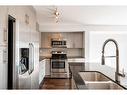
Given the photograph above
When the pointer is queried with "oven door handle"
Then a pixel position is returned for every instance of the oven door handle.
(58, 60)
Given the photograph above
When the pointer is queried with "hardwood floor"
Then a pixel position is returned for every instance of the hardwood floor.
(56, 84)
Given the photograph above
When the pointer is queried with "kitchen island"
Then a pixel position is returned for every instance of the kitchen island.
(78, 82)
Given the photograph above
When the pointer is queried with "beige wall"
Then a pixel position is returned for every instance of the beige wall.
(45, 52)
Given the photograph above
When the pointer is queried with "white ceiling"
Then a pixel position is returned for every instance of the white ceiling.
(74, 18)
(83, 15)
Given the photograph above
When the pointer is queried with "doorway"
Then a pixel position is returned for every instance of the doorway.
(11, 29)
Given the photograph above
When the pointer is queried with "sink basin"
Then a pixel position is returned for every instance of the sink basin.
(93, 76)
(102, 85)
(97, 80)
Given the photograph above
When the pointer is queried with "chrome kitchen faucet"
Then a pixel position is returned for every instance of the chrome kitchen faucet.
(117, 73)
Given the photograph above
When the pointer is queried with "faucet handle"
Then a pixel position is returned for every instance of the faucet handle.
(102, 59)
(123, 73)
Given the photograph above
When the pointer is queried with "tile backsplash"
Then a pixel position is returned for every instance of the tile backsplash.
(45, 52)
(70, 52)
(74, 52)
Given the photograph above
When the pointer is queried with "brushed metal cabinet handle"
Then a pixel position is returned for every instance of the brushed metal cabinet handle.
(5, 35)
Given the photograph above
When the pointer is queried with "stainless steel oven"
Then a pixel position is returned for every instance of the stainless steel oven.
(59, 65)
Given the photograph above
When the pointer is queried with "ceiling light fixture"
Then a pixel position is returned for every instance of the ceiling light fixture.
(56, 13)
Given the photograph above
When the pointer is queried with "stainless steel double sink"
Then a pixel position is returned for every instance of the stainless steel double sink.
(97, 80)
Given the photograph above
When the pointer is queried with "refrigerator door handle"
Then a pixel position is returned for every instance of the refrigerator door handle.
(31, 58)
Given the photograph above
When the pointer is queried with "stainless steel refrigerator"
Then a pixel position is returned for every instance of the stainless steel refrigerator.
(28, 76)
(27, 58)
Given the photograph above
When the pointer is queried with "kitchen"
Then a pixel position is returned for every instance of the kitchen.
(53, 49)
(61, 47)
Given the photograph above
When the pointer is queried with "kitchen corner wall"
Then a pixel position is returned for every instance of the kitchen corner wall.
(75, 43)
(97, 34)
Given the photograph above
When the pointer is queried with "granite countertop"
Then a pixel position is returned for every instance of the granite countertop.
(48, 57)
(44, 57)
(75, 68)
(75, 57)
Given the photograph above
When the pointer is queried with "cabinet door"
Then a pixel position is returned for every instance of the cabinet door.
(1, 36)
(46, 40)
(3, 67)
(24, 32)
(41, 71)
(43, 40)
(3, 25)
(47, 67)
(34, 36)
(73, 85)
(74, 39)
(78, 40)
(70, 37)
(40, 40)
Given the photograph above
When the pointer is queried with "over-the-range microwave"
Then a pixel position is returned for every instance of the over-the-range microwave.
(56, 43)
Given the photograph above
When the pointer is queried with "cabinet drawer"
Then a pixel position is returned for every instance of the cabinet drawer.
(76, 59)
